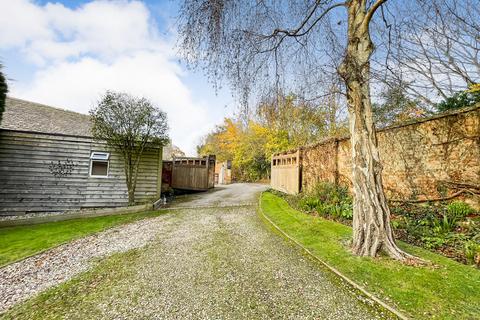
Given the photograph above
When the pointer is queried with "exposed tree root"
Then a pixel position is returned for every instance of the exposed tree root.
(392, 251)
(397, 254)
(456, 194)
(408, 259)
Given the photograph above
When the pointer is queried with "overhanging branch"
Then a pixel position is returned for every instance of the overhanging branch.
(371, 11)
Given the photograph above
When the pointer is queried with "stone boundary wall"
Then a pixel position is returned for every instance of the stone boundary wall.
(427, 159)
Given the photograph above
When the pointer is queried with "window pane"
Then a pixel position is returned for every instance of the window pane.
(99, 156)
(99, 168)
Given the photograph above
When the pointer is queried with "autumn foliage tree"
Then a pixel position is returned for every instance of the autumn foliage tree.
(256, 43)
(280, 123)
(129, 125)
(249, 147)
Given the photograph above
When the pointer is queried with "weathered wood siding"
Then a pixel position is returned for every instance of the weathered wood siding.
(28, 184)
(193, 173)
(286, 172)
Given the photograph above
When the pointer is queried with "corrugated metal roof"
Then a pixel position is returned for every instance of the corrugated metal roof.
(25, 115)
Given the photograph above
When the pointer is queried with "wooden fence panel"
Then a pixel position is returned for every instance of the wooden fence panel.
(193, 173)
(286, 172)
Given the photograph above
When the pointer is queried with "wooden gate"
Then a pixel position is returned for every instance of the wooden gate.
(193, 173)
(286, 172)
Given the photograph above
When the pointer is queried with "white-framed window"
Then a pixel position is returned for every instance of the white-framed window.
(99, 164)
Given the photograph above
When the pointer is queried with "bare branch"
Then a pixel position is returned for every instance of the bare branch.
(368, 17)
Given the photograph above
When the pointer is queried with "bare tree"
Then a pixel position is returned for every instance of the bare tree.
(436, 51)
(256, 44)
(129, 125)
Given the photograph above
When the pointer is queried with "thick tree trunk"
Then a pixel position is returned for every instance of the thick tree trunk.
(128, 179)
(372, 232)
(132, 163)
(131, 197)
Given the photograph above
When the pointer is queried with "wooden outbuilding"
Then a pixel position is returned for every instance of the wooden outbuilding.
(223, 172)
(49, 162)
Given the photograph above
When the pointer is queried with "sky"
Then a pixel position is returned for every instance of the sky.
(67, 53)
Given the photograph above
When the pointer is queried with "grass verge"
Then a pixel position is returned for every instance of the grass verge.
(19, 242)
(447, 291)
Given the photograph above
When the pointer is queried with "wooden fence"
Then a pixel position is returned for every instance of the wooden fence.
(286, 172)
(193, 173)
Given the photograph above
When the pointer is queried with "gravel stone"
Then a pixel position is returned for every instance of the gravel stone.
(23, 279)
(196, 263)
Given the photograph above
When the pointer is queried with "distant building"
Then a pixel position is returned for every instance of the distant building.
(50, 162)
(171, 151)
(223, 172)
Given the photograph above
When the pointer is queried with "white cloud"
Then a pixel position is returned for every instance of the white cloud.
(79, 53)
(21, 22)
(101, 28)
(78, 85)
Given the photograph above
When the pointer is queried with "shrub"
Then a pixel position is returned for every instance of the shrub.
(472, 252)
(309, 203)
(442, 227)
(325, 209)
(328, 199)
(460, 99)
(433, 242)
(330, 193)
(439, 227)
(444, 224)
(450, 216)
(347, 211)
(459, 209)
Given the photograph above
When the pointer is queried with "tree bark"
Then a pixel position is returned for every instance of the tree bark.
(128, 178)
(132, 163)
(372, 232)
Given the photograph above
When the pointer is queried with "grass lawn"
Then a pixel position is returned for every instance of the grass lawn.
(22, 241)
(449, 290)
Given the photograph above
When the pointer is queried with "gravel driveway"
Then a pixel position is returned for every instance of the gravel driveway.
(237, 194)
(196, 263)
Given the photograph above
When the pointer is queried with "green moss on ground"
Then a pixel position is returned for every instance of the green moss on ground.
(80, 295)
